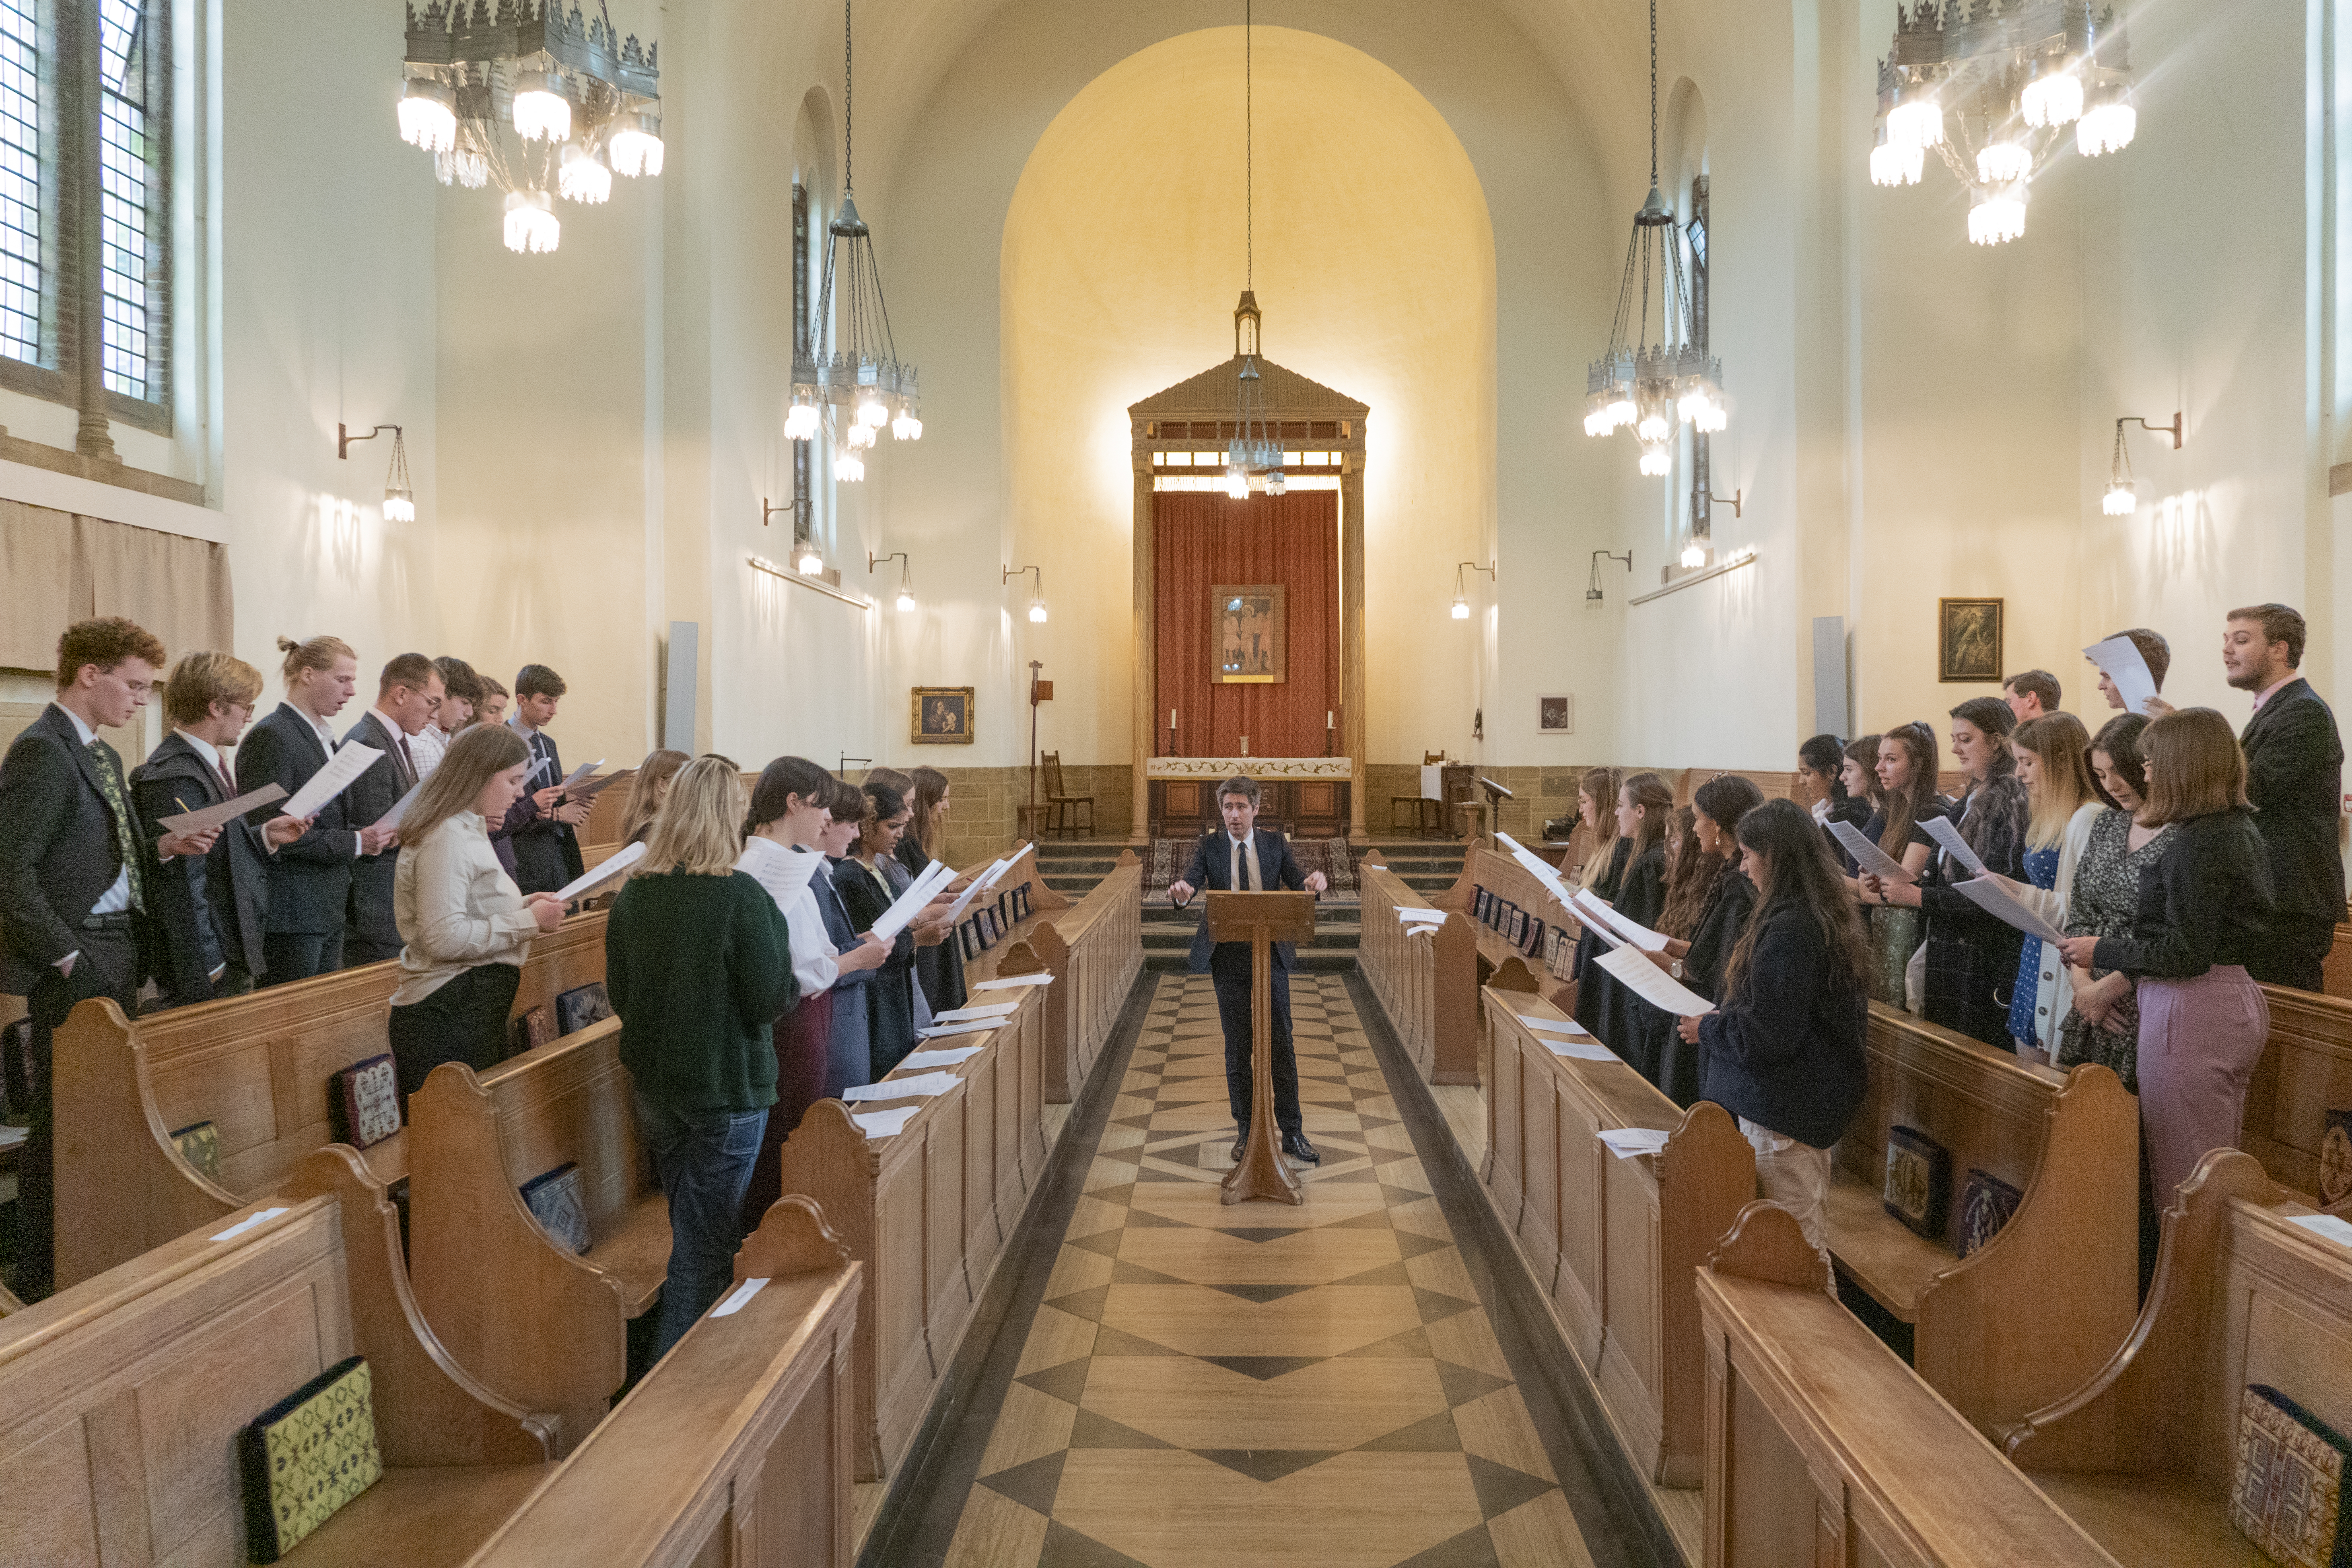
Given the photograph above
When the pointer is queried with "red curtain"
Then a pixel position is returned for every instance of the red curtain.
(1202, 539)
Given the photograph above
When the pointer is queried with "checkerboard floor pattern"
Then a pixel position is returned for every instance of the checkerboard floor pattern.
(1206, 1385)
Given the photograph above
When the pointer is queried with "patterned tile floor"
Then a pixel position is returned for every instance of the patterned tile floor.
(1205, 1385)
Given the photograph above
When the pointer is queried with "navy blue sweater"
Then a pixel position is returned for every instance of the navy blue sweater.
(1785, 1047)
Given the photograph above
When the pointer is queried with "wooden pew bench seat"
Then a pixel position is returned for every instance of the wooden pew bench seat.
(1892, 1263)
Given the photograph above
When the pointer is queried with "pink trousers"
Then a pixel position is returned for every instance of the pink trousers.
(2199, 1041)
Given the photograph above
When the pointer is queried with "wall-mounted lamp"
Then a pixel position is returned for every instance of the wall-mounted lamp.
(1461, 593)
(399, 496)
(1592, 594)
(1038, 599)
(905, 568)
(2121, 500)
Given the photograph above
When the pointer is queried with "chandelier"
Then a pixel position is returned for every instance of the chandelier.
(862, 384)
(1652, 386)
(1256, 446)
(582, 106)
(1992, 86)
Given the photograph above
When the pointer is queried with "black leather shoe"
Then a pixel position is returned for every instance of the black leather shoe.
(1241, 1145)
(1295, 1145)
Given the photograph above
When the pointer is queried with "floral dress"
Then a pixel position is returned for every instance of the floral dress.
(2041, 870)
(2106, 893)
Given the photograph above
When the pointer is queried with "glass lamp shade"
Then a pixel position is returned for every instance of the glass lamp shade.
(531, 224)
(1236, 484)
(1702, 404)
(1275, 484)
(859, 436)
(2105, 127)
(1460, 608)
(811, 562)
(848, 467)
(1694, 555)
(635, 148)
(1997, 214)
(2054, 96)
(1892, 165)
(2120, 501)
(871, 412)
(2004, 163)
(1658, 460)
(542, 109)
(802, 421)
(399, 506)
(1916, 122)
(906, 600)
(1037, 612)
(906, 426)
(1598, 419)
(465, 166)
(1653, 427)
(584, 177)
(428, 115)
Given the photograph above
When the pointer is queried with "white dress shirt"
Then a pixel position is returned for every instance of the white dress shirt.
(1245, 852)
(428, 747)
(455, 908)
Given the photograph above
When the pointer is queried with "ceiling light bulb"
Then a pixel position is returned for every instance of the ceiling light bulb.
(848, 467)
(1893, 164)
(584, 177)
(1694, 555)
(1622, 412)
(1460, 608)
(1037, 612)
(2106, 128)
(1236, 484)
(2054, 96)
(530, 222)
(1702, 405)
(1653, 427)
(906, 599)
(1656, 460)
(543, 111)
(906, 426)
(870, 412)
(2120, 501)
(810, 562)
(1916, 123)
(636, 149)
(399, 506)
(2004, 163)
(466, 166)
(1275, 484)
(1998, 215)
(801, 421)
(428, 115)
(859, 436)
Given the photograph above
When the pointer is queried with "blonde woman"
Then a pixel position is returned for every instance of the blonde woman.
(698, 961)
(464, 927)
(2053, 762)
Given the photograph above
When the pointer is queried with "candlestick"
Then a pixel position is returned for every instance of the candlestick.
(1327, 718)
(1171, 718)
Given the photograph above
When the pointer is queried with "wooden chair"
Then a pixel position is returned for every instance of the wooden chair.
(1065, 806)
(1428, 816)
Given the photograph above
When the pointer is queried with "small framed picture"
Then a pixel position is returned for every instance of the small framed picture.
(1968, 641)
(1556, 715)
(942, 716)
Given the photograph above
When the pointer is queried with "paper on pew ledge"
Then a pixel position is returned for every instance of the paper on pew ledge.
(1627, 1142)
(248, 1223)
(884, 1123)
(1553, 1026)
(1587, 1049)
(963, 1027)
(2325, 1225)
(738, 1298)
(1010, 981)
(947, 1057)
(922, 1086)
(977, 1010)
(1408, 913)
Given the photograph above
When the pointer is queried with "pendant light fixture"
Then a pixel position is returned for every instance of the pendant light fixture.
(1653, 385)
(862, 385)
(1255, 448)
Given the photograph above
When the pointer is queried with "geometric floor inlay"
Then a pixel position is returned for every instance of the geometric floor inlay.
(1205, 1385)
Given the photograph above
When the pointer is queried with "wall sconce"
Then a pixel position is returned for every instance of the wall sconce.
(1038, 599)
(905, 568)
(1461, 594)
(2121, 500)
(399, 495)
(1592, 594)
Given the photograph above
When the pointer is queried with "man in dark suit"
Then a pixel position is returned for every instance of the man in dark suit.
(2294, 777)
(72, 885)
(310, 883)
(205, 914)
(408, 693)
(1245, 857)
(539, 828)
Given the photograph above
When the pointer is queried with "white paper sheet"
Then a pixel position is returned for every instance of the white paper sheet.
(782, 872)
(922, 1086)
(215, 816)
(2119, 660)
(978, 1010)
(976, 887)
(884, 1123)
(622, 859)
(1543, 870)
(2325, 1225)
(581, 771)
(1869, 857)
(330, 781)
(1587, 1049)
(399, 809)
(1010, 981)
(910, 903)
(968, 1027)
(1616, 927)
(588, 789)
(248, 1223)
(1941, 829)
(1997, 901)
(738, 1298)
(1411, 914)
(1627, 1142)
(1654, 985)
(1554, 1026)
(945, 1057)
(1432, 781)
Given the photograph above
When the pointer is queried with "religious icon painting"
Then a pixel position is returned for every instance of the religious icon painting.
(942, 716)
(1967, 640)
(1556, 715)
(1249, 635)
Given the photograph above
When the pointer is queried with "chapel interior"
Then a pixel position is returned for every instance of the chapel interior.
(1408, 407)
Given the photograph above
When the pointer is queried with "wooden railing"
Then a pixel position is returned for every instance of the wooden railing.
(1426, 980)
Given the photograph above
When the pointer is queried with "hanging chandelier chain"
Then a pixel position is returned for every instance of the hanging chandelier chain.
(1249, 150)
(1653, 94)
(849, 100)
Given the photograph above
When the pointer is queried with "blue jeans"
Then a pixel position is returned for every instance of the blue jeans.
(704, 1160)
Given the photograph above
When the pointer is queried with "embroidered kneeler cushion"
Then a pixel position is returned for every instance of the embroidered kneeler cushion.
(2286, 1492)
(307, 1456)
(2336, 1159)
(1985, 1205)
(199, 1144)
(553, 1199)
(1918, 1179)
(363, 1102)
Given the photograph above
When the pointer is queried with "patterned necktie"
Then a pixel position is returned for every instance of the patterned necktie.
(109, 785)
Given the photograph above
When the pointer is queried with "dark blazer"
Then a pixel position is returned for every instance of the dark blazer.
(2206, 900)
(546, 852)
(365, 799)
(2294, 777)
(201, 913)
(58, 851)
(1212, 871)
(310, 878)
(1785, 1048)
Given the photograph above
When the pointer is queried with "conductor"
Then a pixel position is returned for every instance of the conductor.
(1247, 859)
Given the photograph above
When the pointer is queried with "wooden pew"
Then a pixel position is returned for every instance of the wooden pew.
(1611, 1242)
(120, 1397)
(1094, 951)
(1426, 983)
(256, 1067)
(2141, 1455)
(737, 1447)
(929, 1211)
(535, 1321)
(2304, 1071)
(1501, 875)
(1822, 1448)
(2039, 1309)
(1044, 902)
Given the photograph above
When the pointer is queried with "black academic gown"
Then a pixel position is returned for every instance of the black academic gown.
(1636, 1030)
(890, 996)
(938, 970)
(203, 912)
(1724, 916)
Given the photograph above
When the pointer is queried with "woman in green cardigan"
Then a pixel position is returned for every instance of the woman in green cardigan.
(698, 966)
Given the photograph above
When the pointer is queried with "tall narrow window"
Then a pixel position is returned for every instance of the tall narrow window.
(20, 181)
(126, 214)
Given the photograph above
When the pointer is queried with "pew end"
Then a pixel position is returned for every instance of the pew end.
(1767, 1244)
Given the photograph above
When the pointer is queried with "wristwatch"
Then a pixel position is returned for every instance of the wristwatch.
(1677, 970)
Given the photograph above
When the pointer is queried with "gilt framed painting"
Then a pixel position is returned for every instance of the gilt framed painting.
(1968, 641)
(1249, 634)
(942, 716)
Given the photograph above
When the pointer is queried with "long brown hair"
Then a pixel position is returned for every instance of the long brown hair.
(2063, 782)
(1656, 797)
(1601, 784)
(1798, 870)
(931, 788)
(1902, 806)
(1691, 874)
(2194, 767)
(477, 755)
(645, 792)
(1864, 749)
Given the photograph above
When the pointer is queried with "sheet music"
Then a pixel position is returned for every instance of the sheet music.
(2120, 661)
(588, 789)
(1540, 868)
(884, 1123)
(581, 771)
(330, 781)
(977, 886)
(2325, 1225)
(968, 1027)
(1010, 981)
(399, 809)
(1587, 1049)
(1409, 913)
(621, 861)
(1868, 856)
(1627, 1142)
(1941, 830)
(910, 903)
(922, 1086)
(979, 1010)
(738, 1298)
(1623, 929)
(782, 872)
(1653, 985)
(946, 1057)
(226, 811)
(1997, 901)
(1553, 1026)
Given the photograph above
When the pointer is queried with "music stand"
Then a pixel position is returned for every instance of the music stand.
(1261, 920)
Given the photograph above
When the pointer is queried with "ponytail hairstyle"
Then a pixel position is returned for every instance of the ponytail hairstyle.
(1656, 797)
(645, 792)
(1799, 872)
(780, 779)
(319, 653)
(931, 788)
(1903, 806)
(2064, 782)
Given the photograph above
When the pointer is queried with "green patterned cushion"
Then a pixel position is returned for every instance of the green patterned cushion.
(305, 1456)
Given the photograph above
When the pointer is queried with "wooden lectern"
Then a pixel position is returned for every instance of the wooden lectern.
(1262, 920)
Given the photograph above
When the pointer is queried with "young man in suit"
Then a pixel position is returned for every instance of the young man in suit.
(1245, 857)
(2294, 777)
(310, 880)
(73, 884)
(460, 689)
(408, 694)
(539, 828)
(205, 914)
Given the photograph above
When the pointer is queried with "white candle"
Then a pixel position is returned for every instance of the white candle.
(1171, 718)
(1327, 718)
